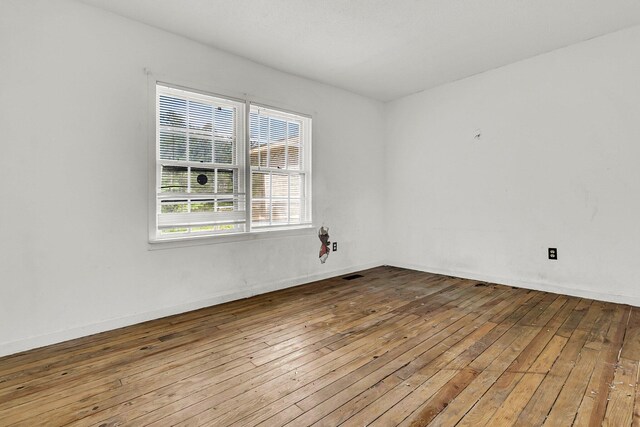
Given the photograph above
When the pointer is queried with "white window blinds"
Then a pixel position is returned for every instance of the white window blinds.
(280, 168)
(200, 163)
(202, 179)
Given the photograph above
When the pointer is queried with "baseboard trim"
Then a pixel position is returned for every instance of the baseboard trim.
(12, 347)
(536, 286)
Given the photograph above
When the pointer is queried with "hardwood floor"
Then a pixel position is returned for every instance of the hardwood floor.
(394, 347)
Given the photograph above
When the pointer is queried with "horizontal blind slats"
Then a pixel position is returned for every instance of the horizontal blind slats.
(190, 219)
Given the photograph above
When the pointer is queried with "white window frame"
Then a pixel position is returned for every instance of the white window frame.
(304, 171)
(245, 169)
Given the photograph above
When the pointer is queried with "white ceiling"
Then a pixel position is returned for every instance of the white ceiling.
(383, 49)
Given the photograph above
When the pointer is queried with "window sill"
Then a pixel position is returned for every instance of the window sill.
(179, 242)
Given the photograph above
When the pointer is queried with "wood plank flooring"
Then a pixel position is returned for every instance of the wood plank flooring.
(392, 348)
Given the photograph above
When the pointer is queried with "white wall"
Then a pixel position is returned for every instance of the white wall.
(74, 257)
(557, 165)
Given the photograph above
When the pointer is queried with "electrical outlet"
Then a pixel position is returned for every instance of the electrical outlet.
(335, 246)
(553, 253)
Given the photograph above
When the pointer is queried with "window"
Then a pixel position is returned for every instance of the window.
(279, 173)
(203, 185)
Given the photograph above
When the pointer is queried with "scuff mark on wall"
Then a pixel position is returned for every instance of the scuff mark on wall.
(323, 235)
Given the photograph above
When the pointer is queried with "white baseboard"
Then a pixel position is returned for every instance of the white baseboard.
(17, 346)
(536, 286)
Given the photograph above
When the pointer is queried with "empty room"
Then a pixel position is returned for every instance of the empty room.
(304, 212)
